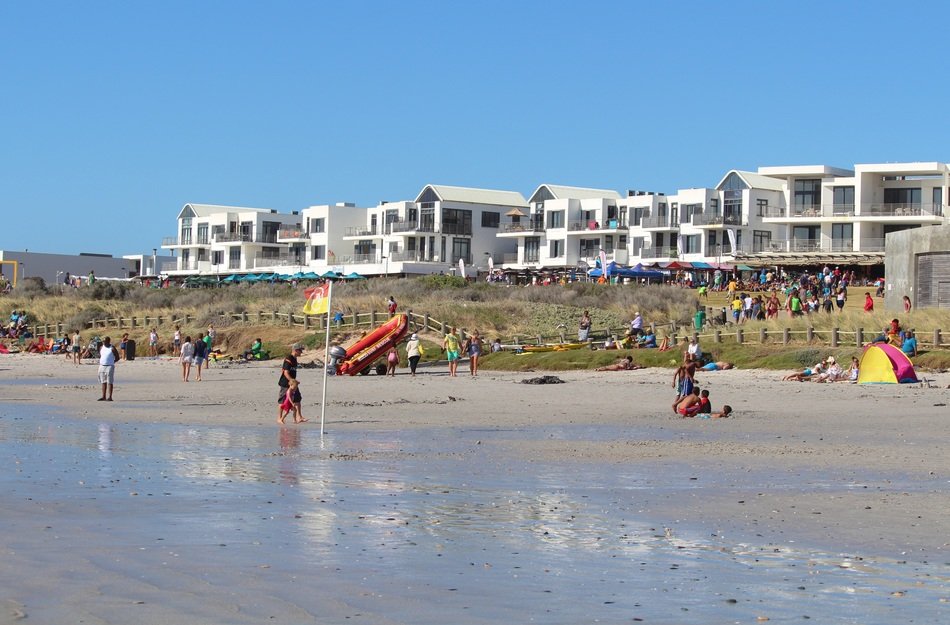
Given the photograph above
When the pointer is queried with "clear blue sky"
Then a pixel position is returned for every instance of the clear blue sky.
(115, 114)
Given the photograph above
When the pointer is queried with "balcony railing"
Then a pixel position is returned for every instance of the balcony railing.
(661, 221)
(232, 237)
(593, 225)
(204, 266)
(292, 233)
(731, 219)
(852, 210)
(509, 258)
(359, 231)
(530, 225)
(822, 245)
(659, 252)
(412, 226)
(283, 260)
(357, 259)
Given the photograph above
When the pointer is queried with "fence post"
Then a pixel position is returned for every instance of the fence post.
(937, 338)
(372, 318)
(59, 328)
(786, 336)
(763, 335)
(674, 340)
(306, 322)
(425, 321)
(273, 315)
(739, 336)
(717, 335)
(46, 330)
(290, 319)
(244, 316)
(260, 317)
(810, 334)
(859, 336)
(442, 324)
(132, 322)
(834, 337)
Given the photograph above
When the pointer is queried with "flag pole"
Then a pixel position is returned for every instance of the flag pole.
(326, 361)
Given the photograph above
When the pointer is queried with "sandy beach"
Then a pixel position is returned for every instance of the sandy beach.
(437, 499)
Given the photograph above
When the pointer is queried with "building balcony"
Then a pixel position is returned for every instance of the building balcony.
(896, 212)
(701, 220)
(174, 242)
(192, 266)
(284, 260)
(593, 225)
(658, 223)
(660, 253)
(411, 227)
(360, 232)
(238, 237)
(292, 235)
(521, 227)
(823, 245)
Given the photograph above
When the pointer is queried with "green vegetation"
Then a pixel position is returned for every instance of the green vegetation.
(495, 310)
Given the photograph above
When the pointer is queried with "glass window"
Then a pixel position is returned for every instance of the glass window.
(903, 197)
(761, 207)
(938, 200)
(318, 224)
(733, 183)
(319, 252)
(761, 240)
(691, 244)
(532, 249)
(456, 221)
(217, 257)
(556, 249)
(806, 194)
(555, 219)
(202, 234)
(843, 198)
(588, 248)
(490, 219)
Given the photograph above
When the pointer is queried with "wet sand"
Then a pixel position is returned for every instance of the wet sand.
(436, 499)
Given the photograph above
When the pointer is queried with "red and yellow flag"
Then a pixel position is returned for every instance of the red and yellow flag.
(318, 299)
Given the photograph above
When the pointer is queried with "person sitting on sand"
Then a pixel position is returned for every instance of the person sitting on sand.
(717, 366)
(693, 352)
(909, 344)
(805, 374)
(854, 370)
(255, 352)
(624, 364)
(833, 371)
(690, 405)
(647, 341)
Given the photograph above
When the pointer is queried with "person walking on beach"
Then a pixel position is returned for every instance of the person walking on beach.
(201, 353)
(413, 353)
(107, 357)
(153, 343)
(176, 342)
(473, 347)
(451, 346)
(288, 372)
(185, 358)
(77, 346)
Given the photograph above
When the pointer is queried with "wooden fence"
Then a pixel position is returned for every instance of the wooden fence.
(834, 337)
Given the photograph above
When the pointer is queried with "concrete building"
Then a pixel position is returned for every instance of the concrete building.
(918, 266)
(214, 240)
(53, 268)
(432, 233)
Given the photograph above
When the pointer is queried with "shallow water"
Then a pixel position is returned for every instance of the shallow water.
(168, 523)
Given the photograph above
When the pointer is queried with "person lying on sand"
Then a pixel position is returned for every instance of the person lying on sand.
(805, 374)
(624, 364)
(717, 366)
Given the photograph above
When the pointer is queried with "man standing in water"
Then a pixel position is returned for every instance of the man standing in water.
(107, 357)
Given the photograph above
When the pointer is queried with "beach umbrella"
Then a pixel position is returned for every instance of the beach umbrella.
(310, 275)
(330, 275)
(353, 276)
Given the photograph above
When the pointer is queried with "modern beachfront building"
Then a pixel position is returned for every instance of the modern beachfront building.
(215, 240)
(788, 215)
(803, 215)
(431, 234)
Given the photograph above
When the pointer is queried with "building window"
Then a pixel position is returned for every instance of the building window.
(806, 194)
(490, 219)
(938, 201)
(588, 248)
(761, 207)
(761, 240)
(319, 252)
(202, 234)
(457, 221)
(902, 197)
(688, 210)
(843, 200)
(691, 244)
(556, 249)
(217, 257)
(555, 219)
(186, 231)
(532, 249)
(318, 224)
(842, 237)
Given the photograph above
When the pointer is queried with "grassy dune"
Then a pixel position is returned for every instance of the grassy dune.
(494, 310)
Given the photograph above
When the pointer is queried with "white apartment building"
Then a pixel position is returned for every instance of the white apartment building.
(433, 232)
(320, 236)
(214, 240)
(564, 227)
(788, 215)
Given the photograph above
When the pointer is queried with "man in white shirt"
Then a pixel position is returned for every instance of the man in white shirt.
(636, 326)
(693, 352)
(107, 357)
